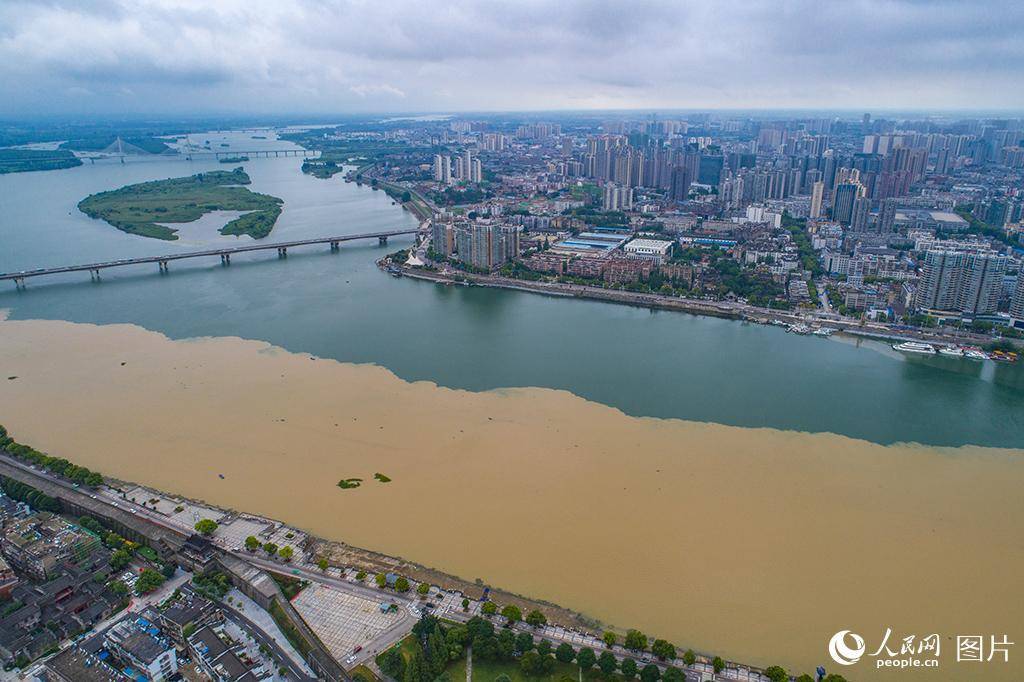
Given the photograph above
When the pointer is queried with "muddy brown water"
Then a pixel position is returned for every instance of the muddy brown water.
(756, 544)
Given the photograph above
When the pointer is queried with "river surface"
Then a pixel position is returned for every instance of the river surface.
(755, 543)
(340, 306)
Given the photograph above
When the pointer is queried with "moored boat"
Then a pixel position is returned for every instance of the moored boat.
(1004, 356)
(951, 351)
(975, 354)
(914, 347)
(824, 331)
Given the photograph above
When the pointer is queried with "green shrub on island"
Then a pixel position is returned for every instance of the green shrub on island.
(382, 478)
(349, 483)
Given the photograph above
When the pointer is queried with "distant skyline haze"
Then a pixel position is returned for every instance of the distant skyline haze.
(174, 57)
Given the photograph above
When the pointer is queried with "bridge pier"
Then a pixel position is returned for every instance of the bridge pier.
(382, 240)
(163, 267)
(282, 252)
(335, 246)
(94, 275)
(225, 259)
(19, 283)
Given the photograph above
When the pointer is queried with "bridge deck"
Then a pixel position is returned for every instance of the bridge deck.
(199, 254)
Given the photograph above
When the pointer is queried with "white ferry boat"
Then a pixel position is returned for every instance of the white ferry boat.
(951, 351)
(800, 329)
(975, 354)
(824, 331)
(915, 347)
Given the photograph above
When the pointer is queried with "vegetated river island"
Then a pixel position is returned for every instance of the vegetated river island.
(144, 208)
(26, 160)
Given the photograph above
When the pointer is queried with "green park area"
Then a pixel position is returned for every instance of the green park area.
(146, 208)
(24, 160)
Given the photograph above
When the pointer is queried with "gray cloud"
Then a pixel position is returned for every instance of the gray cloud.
(177, 56)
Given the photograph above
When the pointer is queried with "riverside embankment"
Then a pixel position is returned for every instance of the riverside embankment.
(724, 309)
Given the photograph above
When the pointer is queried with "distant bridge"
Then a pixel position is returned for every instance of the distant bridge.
(312, 153)
(225, 255)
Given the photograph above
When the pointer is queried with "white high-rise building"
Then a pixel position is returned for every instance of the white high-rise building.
(817, 193)
(442, 169)
(1017, 302)
(969, 283)
(617, 198)
(982, 283)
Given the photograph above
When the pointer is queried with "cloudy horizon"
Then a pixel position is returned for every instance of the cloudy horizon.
(176, 57)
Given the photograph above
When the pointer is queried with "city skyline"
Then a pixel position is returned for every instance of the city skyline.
(169, 57)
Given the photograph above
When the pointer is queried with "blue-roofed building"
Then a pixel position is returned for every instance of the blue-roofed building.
(144, 651)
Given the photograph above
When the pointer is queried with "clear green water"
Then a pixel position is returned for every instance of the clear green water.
(340, 306)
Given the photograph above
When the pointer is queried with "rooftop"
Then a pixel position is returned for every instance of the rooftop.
(78, 666)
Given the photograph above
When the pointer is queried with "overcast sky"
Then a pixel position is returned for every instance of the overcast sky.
(282, 57)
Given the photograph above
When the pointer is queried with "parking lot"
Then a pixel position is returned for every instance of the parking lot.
(342, 621)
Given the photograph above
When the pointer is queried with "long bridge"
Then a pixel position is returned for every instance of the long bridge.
(252, 154)
(225, 255)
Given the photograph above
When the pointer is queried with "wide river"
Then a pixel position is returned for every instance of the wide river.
(754, 543)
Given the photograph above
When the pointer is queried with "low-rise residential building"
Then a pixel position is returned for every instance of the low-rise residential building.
(585, 267)
(139, 643)
(8, 580)
(38, 544)
(627, 270)
(550, 263)
(187, 615)
(217, 655)
(77, 665)
(72, 601)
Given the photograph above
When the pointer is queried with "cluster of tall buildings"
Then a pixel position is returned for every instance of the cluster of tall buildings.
(617, 198)
(612, 159)
(482, 243)
(969, 283)
(538, 131)
(466, 168)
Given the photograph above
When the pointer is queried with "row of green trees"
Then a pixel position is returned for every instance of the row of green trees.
(513, 614)
(57, 465)
(29, 495)
(438, 645)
